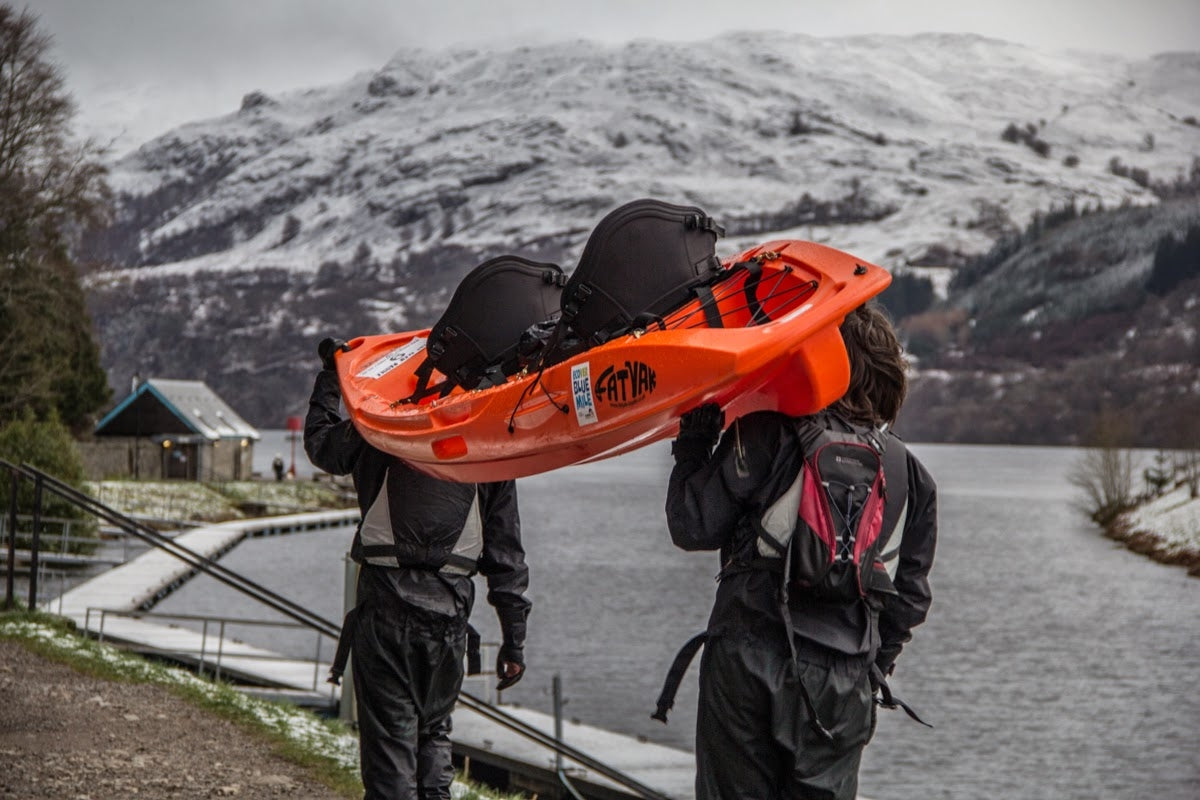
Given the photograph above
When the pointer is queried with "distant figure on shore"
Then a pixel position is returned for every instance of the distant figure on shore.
(811, 612)
(277, 467)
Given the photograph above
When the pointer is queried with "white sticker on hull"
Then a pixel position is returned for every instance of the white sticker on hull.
(581, 391)
(392, 359)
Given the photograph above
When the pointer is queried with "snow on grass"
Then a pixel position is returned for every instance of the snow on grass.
(164, 500)
(1173, 519)
(214, 502)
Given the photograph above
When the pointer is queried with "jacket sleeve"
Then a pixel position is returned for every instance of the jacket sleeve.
(708, 493)
(502, 562)
(332, 443)
(909, 607)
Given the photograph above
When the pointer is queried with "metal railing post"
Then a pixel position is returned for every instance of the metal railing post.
(203, 645)
(558, 738)
(220, 651)
(38, 484)
(9, 598)
(317, 664)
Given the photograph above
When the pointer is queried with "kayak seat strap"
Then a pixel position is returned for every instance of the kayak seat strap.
(712, 314)
(424, 389)
(750, 289)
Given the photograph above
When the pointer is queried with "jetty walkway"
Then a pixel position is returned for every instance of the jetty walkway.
(104, 605)
(509, 742)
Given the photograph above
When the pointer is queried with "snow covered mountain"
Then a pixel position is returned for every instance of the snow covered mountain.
(355, 208)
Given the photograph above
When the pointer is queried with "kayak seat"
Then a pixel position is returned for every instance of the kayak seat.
(642, 261)
(475, 343)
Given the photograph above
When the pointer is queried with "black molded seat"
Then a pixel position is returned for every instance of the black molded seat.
(475, 342)
(642, 261)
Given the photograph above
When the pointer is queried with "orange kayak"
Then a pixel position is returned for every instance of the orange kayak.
(778, 349)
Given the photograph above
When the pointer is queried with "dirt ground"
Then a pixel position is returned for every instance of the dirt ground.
(69, 736)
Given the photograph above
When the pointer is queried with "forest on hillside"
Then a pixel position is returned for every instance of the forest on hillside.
(1085, 315)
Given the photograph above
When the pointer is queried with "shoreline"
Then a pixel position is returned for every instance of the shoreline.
(1151, 544)
(1165, 528)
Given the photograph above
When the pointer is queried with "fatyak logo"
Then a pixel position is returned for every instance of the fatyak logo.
(621, 386)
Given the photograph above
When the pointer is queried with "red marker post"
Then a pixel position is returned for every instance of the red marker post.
(294, 426)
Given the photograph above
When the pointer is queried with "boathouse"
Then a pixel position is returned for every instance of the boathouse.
(172, 429)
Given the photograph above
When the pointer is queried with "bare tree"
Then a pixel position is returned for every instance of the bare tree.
(51, 188)
(1104, 473)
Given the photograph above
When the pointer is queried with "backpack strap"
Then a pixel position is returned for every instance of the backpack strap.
(346, 638)
(813, 720)
(888, 700)
(666, 699)
(342, 655)
(474, 661)
(895, 470)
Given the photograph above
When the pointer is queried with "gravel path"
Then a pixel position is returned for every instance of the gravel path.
(69, 736)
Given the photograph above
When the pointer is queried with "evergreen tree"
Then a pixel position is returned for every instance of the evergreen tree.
(1175, 262)
(909, 294)
(47, 445)
(51, 188)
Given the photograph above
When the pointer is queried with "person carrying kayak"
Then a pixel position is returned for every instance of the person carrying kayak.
(419, 542)
(800, 637)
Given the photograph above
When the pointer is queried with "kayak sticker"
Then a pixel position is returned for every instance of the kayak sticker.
(581, 390)
(392, 359)
(625, 385)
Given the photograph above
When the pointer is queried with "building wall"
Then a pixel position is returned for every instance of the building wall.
(114, 457)
(110, 457)
(227, 460)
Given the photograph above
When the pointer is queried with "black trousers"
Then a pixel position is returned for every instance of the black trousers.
(408, 668)
(753, 738)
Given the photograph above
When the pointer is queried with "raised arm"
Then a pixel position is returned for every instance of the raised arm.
(709, 492)
(332, 443)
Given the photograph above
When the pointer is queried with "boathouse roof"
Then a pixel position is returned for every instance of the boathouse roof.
(160, 406)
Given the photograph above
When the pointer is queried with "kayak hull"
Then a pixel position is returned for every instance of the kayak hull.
(630, 391)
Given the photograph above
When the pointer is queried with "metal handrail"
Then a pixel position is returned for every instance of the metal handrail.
(220, 652)
(190, 557)
(523, 728)
(307, 618)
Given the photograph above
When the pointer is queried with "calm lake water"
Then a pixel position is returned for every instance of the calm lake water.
(1055, 664)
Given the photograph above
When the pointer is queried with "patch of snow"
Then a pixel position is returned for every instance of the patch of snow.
(1173, 518)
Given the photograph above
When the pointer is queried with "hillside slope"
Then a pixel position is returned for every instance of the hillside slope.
(356, 208)
(1042, 342)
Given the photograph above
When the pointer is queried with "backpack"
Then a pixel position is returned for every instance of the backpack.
(830, 528)
(829, 525)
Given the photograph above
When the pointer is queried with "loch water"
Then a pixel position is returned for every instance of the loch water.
(1055, 664)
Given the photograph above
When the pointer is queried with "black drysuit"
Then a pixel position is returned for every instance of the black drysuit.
(753, 737)
(418, 543)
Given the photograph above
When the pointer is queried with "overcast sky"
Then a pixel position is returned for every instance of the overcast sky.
(139, 67)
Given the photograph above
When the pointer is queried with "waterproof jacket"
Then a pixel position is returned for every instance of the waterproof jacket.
(714, 499)
(424, 513)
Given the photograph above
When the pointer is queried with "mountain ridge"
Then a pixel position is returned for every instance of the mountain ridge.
(356, 208)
